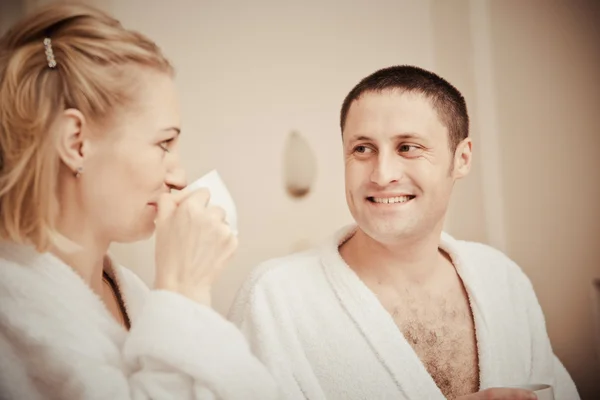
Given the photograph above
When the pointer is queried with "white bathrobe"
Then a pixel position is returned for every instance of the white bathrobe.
(59, 341)
(325, 335)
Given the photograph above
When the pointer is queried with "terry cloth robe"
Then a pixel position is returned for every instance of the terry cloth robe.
(59, 341)
(325, 335)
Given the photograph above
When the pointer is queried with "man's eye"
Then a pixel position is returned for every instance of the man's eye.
(410, 150)
(362, 149)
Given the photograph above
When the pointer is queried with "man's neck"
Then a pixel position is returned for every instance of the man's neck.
(413, 260)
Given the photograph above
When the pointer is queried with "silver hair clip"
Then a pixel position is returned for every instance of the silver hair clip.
(49, 53)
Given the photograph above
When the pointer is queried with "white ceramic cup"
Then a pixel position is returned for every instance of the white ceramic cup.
(219, 196)
(542, 391)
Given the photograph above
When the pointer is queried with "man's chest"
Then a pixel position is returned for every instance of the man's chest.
(441, 331)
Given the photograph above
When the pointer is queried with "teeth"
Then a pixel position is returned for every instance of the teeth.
(391, 200)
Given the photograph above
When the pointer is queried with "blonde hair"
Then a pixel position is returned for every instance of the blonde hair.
(93, 53)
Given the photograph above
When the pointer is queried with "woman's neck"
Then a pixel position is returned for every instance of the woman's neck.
(87, 257)
(87, 262)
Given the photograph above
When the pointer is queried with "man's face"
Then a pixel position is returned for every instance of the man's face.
(399, 168)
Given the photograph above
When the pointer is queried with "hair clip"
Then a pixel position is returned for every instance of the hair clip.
(49, 53)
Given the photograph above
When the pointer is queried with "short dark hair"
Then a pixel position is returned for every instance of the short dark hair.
(448, 102)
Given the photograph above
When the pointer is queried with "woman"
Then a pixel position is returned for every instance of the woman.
(89, 132)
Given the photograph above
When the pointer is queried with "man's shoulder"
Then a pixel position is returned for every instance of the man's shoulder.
(482, 251)
(280, 282)
(492, 271)
(484, 258)
(292, 278)
(292, 268)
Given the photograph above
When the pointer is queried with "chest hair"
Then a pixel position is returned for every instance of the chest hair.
(441, 331)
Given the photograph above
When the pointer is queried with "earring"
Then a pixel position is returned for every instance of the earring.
(78, 172)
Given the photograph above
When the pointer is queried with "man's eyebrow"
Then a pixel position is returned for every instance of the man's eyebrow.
(404, 135)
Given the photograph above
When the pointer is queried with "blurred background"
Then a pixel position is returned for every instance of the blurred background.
(249, 73)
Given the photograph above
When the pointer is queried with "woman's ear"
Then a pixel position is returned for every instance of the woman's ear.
(71, 143)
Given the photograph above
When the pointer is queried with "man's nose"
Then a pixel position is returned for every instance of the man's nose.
(388, 169)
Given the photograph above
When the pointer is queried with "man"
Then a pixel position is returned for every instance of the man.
(393, 307)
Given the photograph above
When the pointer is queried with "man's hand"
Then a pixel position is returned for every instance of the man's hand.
(501, 394)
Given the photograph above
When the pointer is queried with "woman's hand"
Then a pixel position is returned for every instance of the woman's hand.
(193, 244)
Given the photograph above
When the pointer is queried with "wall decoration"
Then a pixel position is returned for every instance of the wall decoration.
(299, 166)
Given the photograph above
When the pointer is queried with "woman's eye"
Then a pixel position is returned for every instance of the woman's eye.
(165, 144)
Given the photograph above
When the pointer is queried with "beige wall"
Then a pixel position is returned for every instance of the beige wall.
(453, 51)
(547, 59)
(250, 73)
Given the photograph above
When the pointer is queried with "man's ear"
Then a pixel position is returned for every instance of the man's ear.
(462, 159)
(71, 144)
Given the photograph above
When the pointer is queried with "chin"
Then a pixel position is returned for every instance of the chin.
(387, 232)
(147, 233)
(145, 227)
(137, 235)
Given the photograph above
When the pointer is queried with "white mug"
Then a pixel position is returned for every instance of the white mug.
(219, 196)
